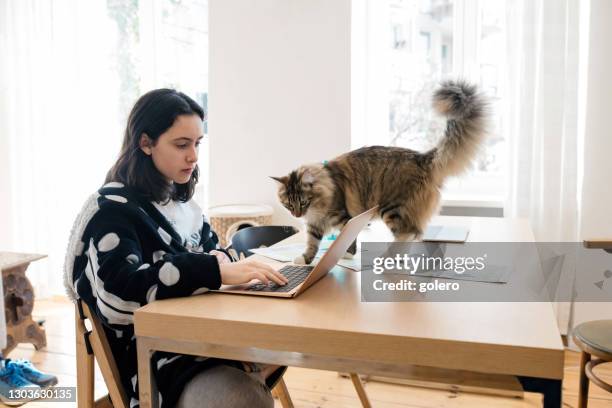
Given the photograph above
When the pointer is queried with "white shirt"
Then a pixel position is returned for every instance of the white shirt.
(186, 219)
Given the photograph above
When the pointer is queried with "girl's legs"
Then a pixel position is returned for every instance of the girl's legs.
(225, 386)
(263, 371)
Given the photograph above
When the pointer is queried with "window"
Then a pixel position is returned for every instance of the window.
(163, 43)
(71, 70)
(430, 40)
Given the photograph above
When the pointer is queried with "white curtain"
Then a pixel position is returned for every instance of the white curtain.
(596, 197)
(542, 123)
(58, 97)
(543, 116)
(370, 72)
(69, 73)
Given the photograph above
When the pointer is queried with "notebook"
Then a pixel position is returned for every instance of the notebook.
(445, 233)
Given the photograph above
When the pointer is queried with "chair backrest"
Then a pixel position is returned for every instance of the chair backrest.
(256, 237)
(93, 343)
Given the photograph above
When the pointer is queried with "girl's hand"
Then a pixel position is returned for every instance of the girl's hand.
(221, 256)
(235, 273)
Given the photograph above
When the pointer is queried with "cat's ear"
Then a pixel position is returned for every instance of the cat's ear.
(307, 177)
(282, 180)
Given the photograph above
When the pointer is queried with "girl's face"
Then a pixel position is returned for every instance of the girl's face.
(175, 154)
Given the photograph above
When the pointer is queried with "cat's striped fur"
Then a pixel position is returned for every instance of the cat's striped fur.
(404, 184)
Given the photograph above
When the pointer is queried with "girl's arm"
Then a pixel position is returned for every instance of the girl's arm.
(123, 277)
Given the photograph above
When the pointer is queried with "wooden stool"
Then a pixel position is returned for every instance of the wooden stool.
(225, 220)
(19, 302)
(594, 339)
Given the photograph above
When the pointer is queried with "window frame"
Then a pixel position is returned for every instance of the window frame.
(367, 68)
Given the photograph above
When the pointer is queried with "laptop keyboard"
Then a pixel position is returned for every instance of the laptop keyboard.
(296, 274)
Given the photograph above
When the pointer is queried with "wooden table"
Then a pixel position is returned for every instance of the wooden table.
(18, 296)
(328, 327)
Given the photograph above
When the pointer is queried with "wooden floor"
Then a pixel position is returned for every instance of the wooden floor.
(308, 388)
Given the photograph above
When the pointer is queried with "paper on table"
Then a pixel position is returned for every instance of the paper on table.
(492, 274)
(354, 264)
(287, 253)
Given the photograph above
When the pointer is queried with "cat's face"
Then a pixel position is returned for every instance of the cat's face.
(295, 192)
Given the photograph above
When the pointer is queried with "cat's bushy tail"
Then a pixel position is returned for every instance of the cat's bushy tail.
(466, 111)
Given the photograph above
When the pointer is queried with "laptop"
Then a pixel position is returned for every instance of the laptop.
(301, 277)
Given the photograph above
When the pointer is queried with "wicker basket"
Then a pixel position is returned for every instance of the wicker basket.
(227, 219)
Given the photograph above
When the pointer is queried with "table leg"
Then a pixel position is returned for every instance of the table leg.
(147, 393)
(583, 394)
(363, 396)
(551, 389)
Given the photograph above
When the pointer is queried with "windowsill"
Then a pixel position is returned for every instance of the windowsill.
(479, 206)
(482, 202)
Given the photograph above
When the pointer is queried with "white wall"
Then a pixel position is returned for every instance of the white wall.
(596, 193)
(279, 93)
(596, 221)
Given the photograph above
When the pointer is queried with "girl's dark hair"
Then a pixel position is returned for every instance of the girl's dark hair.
(153, 114)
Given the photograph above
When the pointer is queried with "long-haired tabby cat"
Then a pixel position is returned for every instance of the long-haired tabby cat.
(403, 183)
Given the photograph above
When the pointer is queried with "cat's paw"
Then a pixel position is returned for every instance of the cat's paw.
(299, 260)
(348, 255)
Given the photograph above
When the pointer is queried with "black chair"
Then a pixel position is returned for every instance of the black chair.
(594, 339)
(257, 237)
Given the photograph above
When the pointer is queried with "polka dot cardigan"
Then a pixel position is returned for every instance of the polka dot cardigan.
(122, 254)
